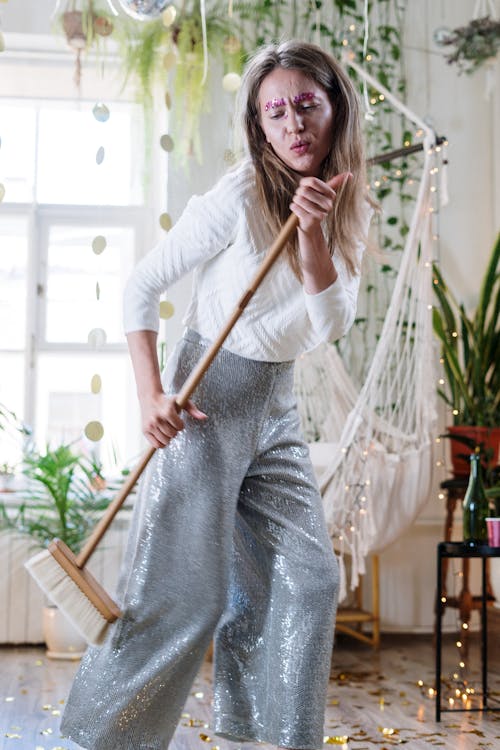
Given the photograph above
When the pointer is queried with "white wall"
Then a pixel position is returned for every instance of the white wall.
(458, 109)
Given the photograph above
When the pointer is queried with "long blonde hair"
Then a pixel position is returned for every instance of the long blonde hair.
(276, 182)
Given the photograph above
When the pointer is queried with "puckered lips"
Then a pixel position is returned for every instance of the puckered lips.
(300, 146)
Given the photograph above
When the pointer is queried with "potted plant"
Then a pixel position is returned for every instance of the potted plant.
(64, 496)
(149, 50)
(7, 476)
(470, 352)
(13, 434)
(85, 23)
(474, 45)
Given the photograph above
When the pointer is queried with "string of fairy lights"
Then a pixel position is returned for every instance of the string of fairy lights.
(459, 686)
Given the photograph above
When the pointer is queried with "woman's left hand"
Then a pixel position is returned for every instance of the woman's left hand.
(314, 199)
(312, 202)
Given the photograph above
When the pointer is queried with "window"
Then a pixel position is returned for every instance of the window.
(71, 220)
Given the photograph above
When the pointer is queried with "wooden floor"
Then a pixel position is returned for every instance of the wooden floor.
(374, 700)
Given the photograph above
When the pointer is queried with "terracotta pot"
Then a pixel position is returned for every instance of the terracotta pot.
(73, 28)
(488, 436)
(102, 26)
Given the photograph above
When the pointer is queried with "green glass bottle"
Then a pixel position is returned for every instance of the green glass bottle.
(475, 506)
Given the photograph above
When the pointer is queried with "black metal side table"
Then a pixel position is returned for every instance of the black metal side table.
(463, 550)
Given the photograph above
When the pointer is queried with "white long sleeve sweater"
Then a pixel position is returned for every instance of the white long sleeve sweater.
(220, 235)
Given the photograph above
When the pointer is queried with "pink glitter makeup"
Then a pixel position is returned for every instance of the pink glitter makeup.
(280, 102)
(304, 96)
(275, 103)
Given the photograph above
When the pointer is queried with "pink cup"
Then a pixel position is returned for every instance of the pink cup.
(493, 526)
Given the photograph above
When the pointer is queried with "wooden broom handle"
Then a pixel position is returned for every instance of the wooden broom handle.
(189, 387)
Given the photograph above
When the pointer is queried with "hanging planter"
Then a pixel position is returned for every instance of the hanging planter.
(83, 24)
(476, 44)
(72, 22)
(177, 46)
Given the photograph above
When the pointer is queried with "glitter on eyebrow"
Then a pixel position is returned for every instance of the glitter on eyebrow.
(274, 103)
(305, 95)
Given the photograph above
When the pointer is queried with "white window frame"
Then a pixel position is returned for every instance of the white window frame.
(40, 217)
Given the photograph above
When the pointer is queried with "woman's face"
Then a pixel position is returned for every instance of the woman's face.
(297, 118)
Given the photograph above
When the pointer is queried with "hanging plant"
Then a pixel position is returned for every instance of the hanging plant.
(85, 23)
(152, 51)
(475, 44)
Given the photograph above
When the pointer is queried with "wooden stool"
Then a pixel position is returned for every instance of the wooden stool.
(351, 620)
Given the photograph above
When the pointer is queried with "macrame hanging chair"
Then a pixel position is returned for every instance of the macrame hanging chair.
(374, 456)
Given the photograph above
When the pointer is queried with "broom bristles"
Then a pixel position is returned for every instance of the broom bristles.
(70, 599)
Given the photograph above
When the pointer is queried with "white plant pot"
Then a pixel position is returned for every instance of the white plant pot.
(62, 639)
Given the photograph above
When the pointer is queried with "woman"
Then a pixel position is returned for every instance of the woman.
(228, 539)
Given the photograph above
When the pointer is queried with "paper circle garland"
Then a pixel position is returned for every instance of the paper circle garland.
(165, 222)
(168, 16)
(99, 244)
(169, 60)
(167, 142)
(144, 10)
(100, 112)
(166, 310)
(99, 157)
(94, 431)
(96, 383)
(231, 82)
(97, 337)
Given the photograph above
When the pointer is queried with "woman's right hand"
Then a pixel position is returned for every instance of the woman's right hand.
(161, 420)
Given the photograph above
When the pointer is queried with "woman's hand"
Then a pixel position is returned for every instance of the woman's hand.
(314, 199)
(312, 202)
(161, 420)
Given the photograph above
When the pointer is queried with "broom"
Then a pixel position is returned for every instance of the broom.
(60, 573)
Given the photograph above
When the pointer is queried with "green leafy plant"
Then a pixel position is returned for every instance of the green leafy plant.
(9, 422)
(470, 348)
(64, 498)
(475, 44)
(151, 50)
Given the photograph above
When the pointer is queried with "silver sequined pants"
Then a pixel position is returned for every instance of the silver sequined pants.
(227, 540)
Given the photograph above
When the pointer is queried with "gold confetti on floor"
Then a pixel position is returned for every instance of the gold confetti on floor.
(340, 739)
(357, 696)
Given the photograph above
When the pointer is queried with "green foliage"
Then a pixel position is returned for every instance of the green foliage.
(470, 348)
(141, 48)
(63, 498)
(475, 44)
(10, 422)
